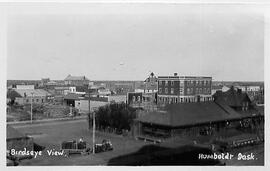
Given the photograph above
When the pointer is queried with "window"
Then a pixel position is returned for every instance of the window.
(200, 90)
(160, 90)
(206, 82)
(160, 82)
(197, 82)
(181, 83)
(36, 100)
(188, 90)
(194, 82)
(181, 90)
(139, 98)
(191, 90)
(197, 90)
(172, 83)
(166, 83)
(27, 100)
(172, 91)
(204, 90)
(166, 90)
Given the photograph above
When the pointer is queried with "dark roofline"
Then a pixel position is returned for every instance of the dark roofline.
(193, 124)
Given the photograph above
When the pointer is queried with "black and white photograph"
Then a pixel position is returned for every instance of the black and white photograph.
(134, 84)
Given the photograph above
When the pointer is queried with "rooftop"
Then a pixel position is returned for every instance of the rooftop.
(231, 97)
(36, 92)
(184, 114)
(75, 78)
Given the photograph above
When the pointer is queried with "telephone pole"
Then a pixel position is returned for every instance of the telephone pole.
(93, 118)
(32, 107)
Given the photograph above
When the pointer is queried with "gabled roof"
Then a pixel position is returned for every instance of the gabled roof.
(12, 94)
(185, 114)
(12, 133)
(231, 97)
(75, 78)
(36, 92)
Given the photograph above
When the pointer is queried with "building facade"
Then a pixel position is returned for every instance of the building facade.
(76, 80)
(180, 89)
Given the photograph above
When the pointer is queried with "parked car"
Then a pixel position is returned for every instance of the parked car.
(106, 145)
(74, 147)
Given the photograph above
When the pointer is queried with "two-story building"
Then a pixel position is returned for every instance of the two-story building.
(180, 89)
(76, 80)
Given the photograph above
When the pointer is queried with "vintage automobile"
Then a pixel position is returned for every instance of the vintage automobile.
(74, 147)
(106, 145)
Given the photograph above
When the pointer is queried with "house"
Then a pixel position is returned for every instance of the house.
(76, 80)
(234, 98)
(25, 96)
(17, 140)
(184, 119)
(81, 102)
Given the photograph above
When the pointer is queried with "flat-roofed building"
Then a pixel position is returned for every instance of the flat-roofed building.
(181, 89)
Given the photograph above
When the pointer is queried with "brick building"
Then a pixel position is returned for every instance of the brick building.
(180, 89)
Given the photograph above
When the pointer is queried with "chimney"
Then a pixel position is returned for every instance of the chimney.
(175, 74)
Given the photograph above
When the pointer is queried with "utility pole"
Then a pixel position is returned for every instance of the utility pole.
(94, 128)
(93, 118)
(32, 107)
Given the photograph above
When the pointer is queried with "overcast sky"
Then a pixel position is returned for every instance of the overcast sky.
(126, 42)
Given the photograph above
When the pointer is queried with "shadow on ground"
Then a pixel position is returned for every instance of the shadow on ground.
(38, 147)
(157, 155)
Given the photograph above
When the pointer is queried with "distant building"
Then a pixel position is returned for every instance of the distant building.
(81, 102)
(216, 88)
(44, 81)
(25, 96)
(151, 84)
(181, 89)
(24, 87)
(124, 87)
(76, 80)
(234, 98)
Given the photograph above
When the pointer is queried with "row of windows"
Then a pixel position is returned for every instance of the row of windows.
(166, 90)
(198, 82)
(198, 90)
(184, 99)
(33, 100)
(189, 90)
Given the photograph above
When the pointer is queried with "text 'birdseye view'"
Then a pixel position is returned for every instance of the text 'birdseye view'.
(135, 85)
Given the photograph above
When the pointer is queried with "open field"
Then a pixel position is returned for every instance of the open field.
(126, 150)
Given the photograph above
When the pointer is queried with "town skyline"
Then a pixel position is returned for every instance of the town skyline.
(128, 42)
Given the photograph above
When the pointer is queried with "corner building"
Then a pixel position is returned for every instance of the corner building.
(183, 89)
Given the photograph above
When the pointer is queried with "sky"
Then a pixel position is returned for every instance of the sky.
(128, 41)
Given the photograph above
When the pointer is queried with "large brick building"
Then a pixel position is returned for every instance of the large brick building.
(180, 89)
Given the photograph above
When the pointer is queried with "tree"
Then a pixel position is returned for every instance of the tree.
(115, 115)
